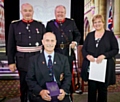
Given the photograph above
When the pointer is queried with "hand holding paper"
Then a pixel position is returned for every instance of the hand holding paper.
(100, 58)
(90, 58)
(98, 71)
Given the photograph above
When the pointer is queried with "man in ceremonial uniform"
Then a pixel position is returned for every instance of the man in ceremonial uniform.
(24, 41)
(67, 34)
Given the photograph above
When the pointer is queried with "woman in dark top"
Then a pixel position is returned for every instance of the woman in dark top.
(100, 44)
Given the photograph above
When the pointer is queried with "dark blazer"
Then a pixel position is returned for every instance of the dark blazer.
(38, 73)
(69, 29)
(108, 46)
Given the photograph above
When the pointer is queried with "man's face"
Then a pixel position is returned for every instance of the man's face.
(60, 13)
(27, 12)
(49, 42)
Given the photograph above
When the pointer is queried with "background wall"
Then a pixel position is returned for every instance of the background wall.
(2, 27)
(44, 9)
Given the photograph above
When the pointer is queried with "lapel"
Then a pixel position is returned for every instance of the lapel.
(93, 39)
(56, 65)
(43, 66)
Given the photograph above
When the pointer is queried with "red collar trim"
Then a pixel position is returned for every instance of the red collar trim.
(27, 21)
(60, 21)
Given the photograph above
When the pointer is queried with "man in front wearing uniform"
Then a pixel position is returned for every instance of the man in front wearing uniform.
(67, 34)
(24, 41)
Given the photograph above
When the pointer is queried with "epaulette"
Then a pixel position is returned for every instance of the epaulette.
(51, 20)
(72, 19)
(15, 21)
(39, 21)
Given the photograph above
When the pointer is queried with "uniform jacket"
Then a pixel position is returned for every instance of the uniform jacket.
(25, 35)
(108, 46)
(38, 73)
(70, 30)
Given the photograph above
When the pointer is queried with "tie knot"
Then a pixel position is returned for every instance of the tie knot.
(49, 56)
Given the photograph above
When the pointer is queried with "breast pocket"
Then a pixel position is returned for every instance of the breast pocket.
(69, 34)
(21, 37)
(18, 36)
(37, 37)
(58, 71)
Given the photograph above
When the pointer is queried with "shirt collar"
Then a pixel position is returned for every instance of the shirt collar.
(60, 21)
(46, 54)
(27, 21)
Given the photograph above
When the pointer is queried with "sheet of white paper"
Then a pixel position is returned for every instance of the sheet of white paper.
(98, 71)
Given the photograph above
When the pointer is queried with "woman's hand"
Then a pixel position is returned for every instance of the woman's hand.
(100, 58)
(90, 58)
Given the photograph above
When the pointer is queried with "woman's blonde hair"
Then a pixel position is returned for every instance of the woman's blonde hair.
(96, 17)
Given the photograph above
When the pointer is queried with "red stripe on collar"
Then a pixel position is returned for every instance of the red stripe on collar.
(60, 21)
(27, 21)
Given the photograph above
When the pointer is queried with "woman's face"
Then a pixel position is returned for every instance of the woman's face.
(98, 24)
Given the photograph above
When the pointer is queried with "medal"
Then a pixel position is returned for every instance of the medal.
(37, 43)
(54, 62)
(27, 27)
(19, 32)
(37, 30)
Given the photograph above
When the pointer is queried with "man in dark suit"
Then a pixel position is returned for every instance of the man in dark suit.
(24, 41)
(39, 74)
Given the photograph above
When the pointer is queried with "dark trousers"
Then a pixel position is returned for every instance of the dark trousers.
(23, 86)
(95, 87)
(33, 98)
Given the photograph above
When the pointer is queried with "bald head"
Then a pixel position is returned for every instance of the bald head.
(49, 34)
(49, 42)
(27, 11)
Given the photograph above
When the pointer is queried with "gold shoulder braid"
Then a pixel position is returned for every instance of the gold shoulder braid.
(72, 19)
(15, 21)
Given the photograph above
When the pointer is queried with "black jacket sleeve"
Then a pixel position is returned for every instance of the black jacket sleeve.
(11, 46)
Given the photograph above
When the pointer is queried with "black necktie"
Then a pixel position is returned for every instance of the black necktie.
(50, 68)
